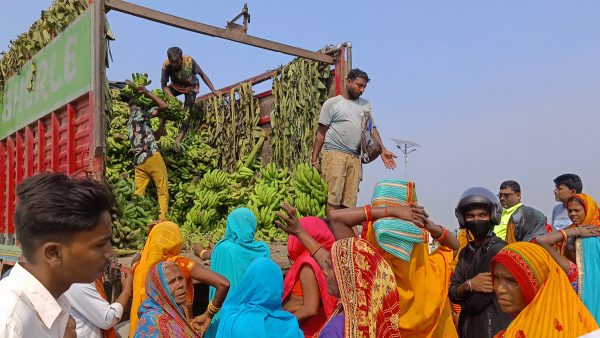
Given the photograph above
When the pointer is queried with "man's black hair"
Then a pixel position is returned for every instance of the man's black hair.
(173, 52)
(356, 73)
(571, 181)
(510, 184)
(53, 207)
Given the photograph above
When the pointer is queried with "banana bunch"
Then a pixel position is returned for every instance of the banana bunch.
(176, 111)
(216, 179)
(299, 91)
(308, 181)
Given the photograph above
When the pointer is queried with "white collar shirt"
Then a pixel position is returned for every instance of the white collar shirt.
(28, 309)
(91, 312)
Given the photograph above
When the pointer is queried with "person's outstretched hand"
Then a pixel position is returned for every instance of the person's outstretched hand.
(291, 223)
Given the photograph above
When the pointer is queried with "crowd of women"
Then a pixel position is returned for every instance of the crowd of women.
(383, 283)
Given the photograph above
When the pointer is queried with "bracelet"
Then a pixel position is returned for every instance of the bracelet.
(212, 309)
(385, 212)
(314, 250)
(442, 236)
(202, 252)
(368, 212)
(470, 286)
(315, 162)
(564, 234)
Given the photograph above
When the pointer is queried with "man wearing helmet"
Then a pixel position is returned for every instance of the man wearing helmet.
(478, 210)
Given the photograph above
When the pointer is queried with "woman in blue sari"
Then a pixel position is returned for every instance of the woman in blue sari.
(233, 254)
(254, 309)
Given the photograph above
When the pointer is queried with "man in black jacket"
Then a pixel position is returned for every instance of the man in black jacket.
(471, 285)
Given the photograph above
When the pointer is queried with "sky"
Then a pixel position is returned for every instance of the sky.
(491, 90)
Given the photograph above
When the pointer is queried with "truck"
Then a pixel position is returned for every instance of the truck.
(53, 109)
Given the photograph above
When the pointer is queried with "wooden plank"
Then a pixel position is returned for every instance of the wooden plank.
(228, 34)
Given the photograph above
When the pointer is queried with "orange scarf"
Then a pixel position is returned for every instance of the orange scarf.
(422, 285)
(164, 241)
(592, 212)
(110, 333)
(553, 309)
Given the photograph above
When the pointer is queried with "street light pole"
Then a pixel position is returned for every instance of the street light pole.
(406, 147)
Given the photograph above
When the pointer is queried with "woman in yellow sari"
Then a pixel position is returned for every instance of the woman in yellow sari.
(422, 278)
(164, 243)
(530, 285)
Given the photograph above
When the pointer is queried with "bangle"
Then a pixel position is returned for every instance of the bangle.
(212, 309)
(314, 250)
(442, 236)
(315, 162)
(385, 212)
(368, 212)
(564, 234)
(576, 232)
(470, 286)
(202, 252)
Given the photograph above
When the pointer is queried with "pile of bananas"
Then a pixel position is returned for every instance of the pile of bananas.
(175, 111)
(298, 92)
(52, 21)
(216, 169)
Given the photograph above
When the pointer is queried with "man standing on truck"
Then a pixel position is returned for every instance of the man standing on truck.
(146, 158)
(340, 127)
(182, 70)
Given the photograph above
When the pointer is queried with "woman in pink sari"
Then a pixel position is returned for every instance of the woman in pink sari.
(305, 286)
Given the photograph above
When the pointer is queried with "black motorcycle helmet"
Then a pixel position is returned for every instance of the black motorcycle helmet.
(478, 195)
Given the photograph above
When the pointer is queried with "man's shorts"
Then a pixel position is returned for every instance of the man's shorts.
(342, 172)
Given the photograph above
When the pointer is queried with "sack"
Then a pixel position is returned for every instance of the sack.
(369, 148)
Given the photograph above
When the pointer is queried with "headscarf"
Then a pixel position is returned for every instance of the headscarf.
(553, 309)
(233, 254)
(422, 281)
(255, 309)
(163, 242)
(587, 253)
(159, 315)
(318, 230)
(368, 293)
(394, 235)
(592, 212)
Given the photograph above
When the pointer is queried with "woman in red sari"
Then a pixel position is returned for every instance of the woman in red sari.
(360, 277)
(305, 286)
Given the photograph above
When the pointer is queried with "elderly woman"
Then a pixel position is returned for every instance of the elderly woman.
(164, 243)
(581, 249)
(360, 277)
(531, 286)
(305, 286)
(162, 313)
(254, 310)
(233, 254)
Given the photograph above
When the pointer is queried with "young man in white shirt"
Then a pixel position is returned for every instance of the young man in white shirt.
(565, 186)
(92, 312)
(63, 227)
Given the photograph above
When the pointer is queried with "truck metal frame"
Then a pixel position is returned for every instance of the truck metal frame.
(71, 138)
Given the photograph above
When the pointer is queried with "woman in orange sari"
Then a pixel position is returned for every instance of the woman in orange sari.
(531, 286)
(360, 277)
(422, 278)
(164, 243)
(580, 244)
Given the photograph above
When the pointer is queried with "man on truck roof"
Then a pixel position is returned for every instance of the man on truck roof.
(340, 127)
(182, 70)
(147, 160)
